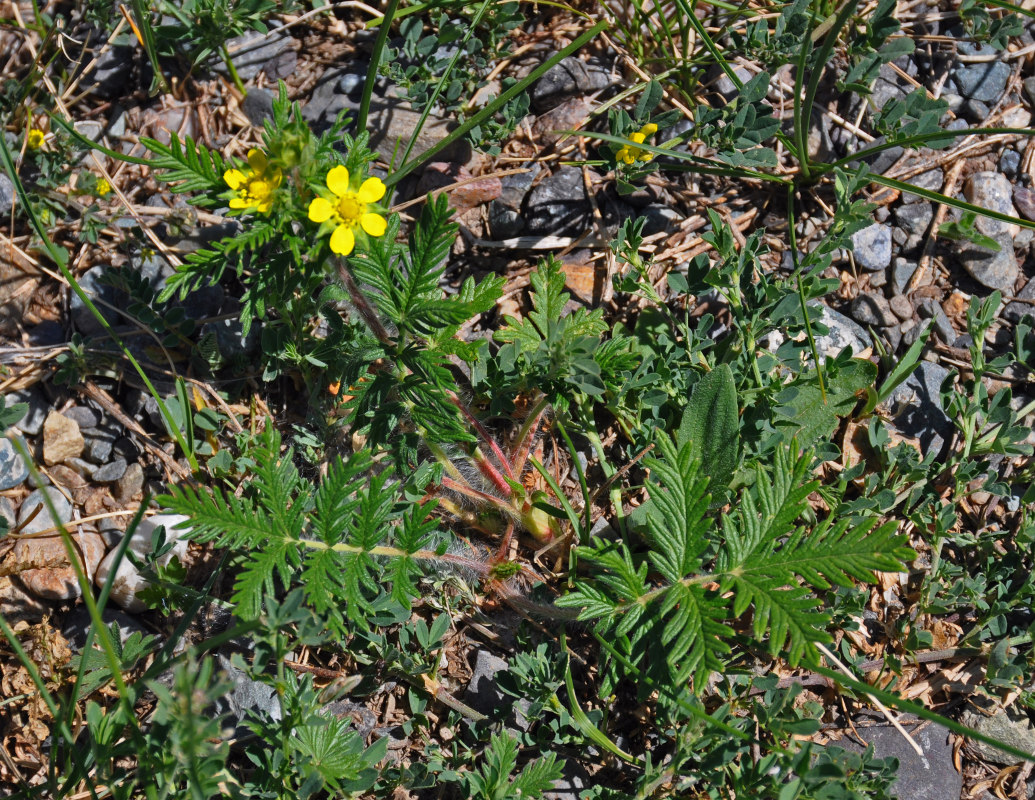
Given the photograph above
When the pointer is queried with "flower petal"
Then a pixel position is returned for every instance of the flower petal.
(239, 202)
(342, 240)
(234, 178)
(637, 137)
(372, 190)
(257, 161)
(320, 210)
(338, 180)
(374, 224)
(648, 130)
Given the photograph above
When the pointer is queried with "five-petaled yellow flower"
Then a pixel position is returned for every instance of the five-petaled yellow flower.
(629, 153)
(34, 140)
(256, 187)
(349, 209)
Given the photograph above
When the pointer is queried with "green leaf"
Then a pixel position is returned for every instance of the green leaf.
(711, 423)
(804, 414)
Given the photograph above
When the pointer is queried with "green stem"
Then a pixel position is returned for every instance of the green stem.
(225, 55)
(375, 62)
(791, 224)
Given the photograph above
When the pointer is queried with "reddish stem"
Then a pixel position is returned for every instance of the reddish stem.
(484, 434)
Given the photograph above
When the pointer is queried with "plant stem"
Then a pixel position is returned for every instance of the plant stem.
(375, 62)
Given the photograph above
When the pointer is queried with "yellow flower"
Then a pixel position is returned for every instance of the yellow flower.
(256, 187)
(34, 140)
(349, 209)
(103, 188)
(630, 154)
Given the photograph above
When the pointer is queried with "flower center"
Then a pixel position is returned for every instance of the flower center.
(350, 209)
(258, 188)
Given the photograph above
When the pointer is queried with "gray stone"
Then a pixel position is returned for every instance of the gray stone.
(993, 191)
(32, 423)
(483, 693)
(1009, 725)
(1024, 304)
(994, 270)
(257, 105)
(392, 121)
(931, 776)
(901, 307)
(914, 218)
(1028, 84)
(843, 333)
(254, 52)
(901, 272)
(514, 188)
(77, 623)
(1009, 163)
(7, 195)
(34, 521)
(660, 218)
(932, 180)
(1024, 200)
(103, 296)
(982, 81)
(130, 484)
(78, 465)
(889, 85)
(111, 72)
(878, 279)
(916, 405)
(83, 416)
(558, 206)
(230, 339)
(873, 310)
(7, 512)
(13, 469)
(504, 223)
(110, 472)
(568, 78)
(98, 444)
(872, 247)
(247, 695)
(975, 112)
(929, 308)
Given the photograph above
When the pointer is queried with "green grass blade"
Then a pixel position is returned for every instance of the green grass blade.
(962, 205)
(375, 62)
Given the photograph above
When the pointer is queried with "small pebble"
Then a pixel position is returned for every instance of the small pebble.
(873, 310)
(83, 416)
(872, 247)
(13, 469)
(901, 272)
(901, 307)
(914, 218)
(1009, 163)
(928, 308)
(994, 270)
(993, 191)
(131, 482)
(34, 516)
(32, 423)
(111, 471)
(61, 439)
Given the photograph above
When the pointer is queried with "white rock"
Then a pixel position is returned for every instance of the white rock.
(128, 581)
